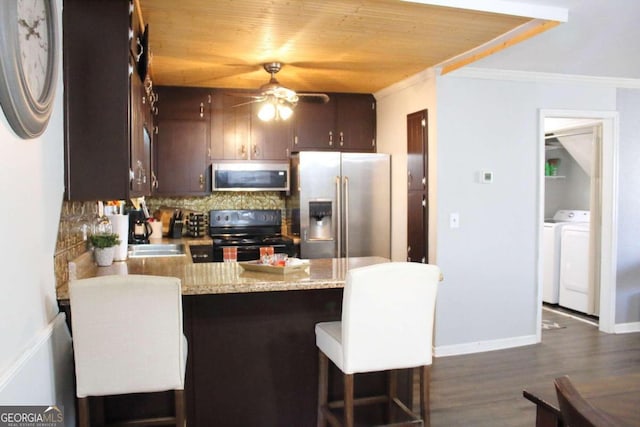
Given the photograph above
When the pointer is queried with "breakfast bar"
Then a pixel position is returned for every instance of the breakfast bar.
(252, 354)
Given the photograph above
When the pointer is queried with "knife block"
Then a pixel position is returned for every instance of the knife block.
(175, 228)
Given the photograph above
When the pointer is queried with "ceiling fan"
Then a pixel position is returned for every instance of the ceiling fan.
(279, 101)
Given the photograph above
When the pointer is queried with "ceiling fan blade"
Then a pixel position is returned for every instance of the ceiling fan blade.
(246, 103)
(320, 98)
(256, 96)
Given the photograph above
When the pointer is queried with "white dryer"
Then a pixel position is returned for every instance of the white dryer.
(551, 250)
(576, 290)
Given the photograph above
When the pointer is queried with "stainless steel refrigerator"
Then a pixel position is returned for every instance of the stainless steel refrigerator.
(340, 204)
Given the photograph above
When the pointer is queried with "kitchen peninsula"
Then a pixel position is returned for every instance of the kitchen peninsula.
(252, 354)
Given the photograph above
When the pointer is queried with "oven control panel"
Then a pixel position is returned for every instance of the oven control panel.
(245, 218)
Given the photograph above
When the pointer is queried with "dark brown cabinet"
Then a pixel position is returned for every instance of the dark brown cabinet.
(270, 140)
(238, 133)
(106, 156)
(141, 179)
(346, 123)
(181, 146)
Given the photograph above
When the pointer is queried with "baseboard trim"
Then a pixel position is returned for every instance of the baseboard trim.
(482, 346)
(626, 328)
(32, 349)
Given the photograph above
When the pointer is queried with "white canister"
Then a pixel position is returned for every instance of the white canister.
(120, 226)
(156, 230)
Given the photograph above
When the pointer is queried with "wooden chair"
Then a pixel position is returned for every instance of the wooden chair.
(576, 411)
(128, 338)
(387, 324)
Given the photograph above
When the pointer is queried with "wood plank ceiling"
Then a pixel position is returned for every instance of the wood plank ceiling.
(332, 46)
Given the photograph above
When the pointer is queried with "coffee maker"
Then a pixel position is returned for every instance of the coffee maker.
(139, 227)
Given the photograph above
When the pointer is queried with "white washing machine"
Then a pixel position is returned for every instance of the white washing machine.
(551, 250)
(576, 290)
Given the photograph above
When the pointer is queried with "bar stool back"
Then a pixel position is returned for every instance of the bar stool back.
(387, 324)
(128, 338)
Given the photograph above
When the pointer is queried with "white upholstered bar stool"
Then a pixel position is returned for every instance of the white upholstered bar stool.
(128, 338)
(387, 324)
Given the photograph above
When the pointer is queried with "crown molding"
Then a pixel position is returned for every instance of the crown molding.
(422, 76)
(539, 77)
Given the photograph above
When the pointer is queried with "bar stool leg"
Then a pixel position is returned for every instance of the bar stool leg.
(348, 400)
(425, 406)
(181, 419)
(323, 387)
(392, 393)
(83, 412)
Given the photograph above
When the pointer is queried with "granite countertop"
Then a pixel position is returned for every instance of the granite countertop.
(220, 277)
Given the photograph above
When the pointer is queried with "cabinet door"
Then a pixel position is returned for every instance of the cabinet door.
(231, 128)
(184, 103)
(182, 142)
(314, 126)
(356, 122)
(140, 142)
(270, 140)
(96, 99)
(181, 147)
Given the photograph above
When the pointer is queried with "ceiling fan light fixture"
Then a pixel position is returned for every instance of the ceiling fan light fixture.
(285, 111)
(267, 111)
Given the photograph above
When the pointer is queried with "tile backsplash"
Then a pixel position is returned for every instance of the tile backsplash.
(75, 221)
(77, 217)
(221, 200)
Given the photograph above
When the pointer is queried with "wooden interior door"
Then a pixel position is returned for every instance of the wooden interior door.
(417, 186)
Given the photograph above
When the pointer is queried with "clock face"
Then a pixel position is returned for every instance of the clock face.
(28, 63)
(33, 44)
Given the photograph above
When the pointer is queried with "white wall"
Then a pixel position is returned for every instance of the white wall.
(488, 299)
(628, 271)
(393, 106)
(31, 187)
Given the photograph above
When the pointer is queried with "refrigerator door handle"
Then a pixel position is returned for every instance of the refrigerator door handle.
(346, 216)
(338, 214)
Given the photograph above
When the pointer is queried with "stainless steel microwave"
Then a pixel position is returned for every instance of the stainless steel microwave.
(245, 175)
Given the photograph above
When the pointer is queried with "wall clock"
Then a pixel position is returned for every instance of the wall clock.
(28, 63)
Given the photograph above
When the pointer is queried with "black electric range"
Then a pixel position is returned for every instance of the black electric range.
(248, 230)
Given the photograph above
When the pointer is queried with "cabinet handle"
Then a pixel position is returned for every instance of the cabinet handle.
(330, 139)
(155, 129)
(201, 109)
(295, 140)
(201, 181)
(144, 100)
(408, 249)
(255, 151)
(341, 139)
(409, 179)
(154, 180)
(243, 151)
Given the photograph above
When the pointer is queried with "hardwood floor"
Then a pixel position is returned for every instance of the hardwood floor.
(486, 389)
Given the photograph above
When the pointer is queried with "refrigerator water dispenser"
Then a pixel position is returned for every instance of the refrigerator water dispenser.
(320, 220)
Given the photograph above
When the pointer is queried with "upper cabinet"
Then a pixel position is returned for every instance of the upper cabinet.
(181, 146)
(238, 134)
(346, 123)
(107, 155)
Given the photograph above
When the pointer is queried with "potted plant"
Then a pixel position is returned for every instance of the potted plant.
(104, 247)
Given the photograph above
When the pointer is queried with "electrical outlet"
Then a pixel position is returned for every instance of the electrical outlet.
(454, 220)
